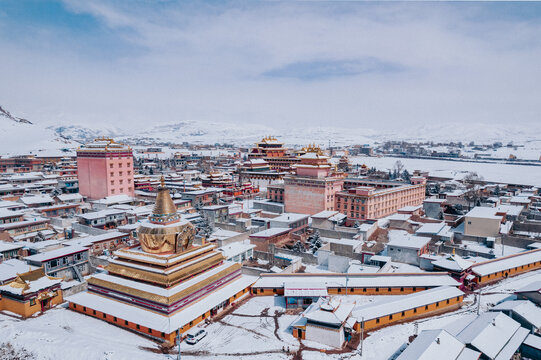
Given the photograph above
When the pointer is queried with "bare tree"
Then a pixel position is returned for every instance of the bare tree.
(398, 167)
(472, 182)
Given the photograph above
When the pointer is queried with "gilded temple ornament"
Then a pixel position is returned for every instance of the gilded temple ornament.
(165, 232)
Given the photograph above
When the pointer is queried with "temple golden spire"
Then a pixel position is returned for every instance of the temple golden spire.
(165, 210)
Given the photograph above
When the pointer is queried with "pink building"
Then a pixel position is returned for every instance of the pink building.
(105, 168)
(313, 188)
(369, 199)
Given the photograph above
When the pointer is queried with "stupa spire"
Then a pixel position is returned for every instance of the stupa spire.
(165, 211)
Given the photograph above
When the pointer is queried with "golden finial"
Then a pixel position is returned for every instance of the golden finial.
(162, 181)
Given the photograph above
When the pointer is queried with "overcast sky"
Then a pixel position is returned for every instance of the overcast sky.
(361, 64)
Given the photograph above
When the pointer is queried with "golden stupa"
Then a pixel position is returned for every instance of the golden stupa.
(165, 232)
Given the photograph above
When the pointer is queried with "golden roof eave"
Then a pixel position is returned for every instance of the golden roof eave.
(163, 279)
(166, 300)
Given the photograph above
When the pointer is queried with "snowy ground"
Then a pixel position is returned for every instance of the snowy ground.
(505, 173)
(249, 332)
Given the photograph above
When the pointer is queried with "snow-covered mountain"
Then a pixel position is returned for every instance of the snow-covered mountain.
(481, 133)
(215, 132)
(20, 136)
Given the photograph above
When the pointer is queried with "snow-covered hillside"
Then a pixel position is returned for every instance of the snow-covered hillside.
(246, 134)
(20, 136)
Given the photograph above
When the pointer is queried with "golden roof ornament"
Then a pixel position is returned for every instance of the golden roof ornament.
(313, 148)
(165, 233)
(165, 210)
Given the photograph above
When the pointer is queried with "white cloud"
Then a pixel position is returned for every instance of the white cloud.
(175, 63)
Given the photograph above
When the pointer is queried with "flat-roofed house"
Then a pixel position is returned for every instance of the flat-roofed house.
(263, 239)
(70, 262)
(406, 248)
(483, 221)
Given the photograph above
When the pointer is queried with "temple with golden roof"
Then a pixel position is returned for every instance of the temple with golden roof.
(31, 292)
(273, 152)
(166, 284)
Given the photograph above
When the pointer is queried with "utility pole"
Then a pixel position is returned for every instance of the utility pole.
(178, 339)
(478, 300)
(362, 335)
(347, 278)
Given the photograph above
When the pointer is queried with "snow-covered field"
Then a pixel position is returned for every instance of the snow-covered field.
(249, 332)
(496, 172)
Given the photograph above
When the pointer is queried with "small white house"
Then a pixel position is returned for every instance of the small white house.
(327, 321)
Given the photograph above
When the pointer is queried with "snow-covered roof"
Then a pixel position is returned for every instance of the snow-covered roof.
(90, 240)
(114, 199)
(290, 217)
(128, 227)
(29, 286)
(6, 204)
(406, 302)
(270, 232)
(167, 292)
(520, 200)
(399, 217)
(231, 250)
(70, 197)
(484, 212)
(39, 245)
(532, 287)
(492, 333)
(380, 258)
(434, 200)
(6, 213)
(508, 262)
(10, 268)
(510, 210)
(36, 199)
(17, 224)
(331, 312)
(343, 241)
(223, 234)
(526, 309)
(138, 254)
(533, 341)
(54, 254)
(431, 228)
(410, 208)
(359, 280)
(433, 344)
(156, 321)
(454, 263)
(313, 155)
(9, 246)
(101, 214)
(402, 239)
(325, 214)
